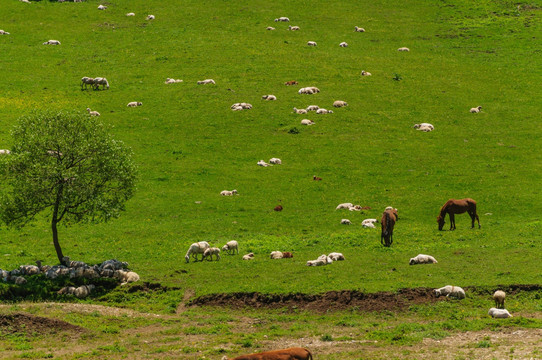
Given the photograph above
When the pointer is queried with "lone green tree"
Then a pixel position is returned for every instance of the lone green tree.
(66, 166)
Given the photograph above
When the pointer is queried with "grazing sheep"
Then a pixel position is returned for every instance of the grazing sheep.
(292, 82)
(263, 163)
(195, 249)
(365, 73)
(307, 122)
(85, 80)
(101, 7)
(324, 111)
(343, 44)
(293, 28)
(344, 206)
(316, 178)
(172, 81)
(130, 14)
(339, 103)
(206, 81)
(336, 256)
(228, 193)
(499, 296)
(424, 127)
(476, 109)
(403, 49)
(300, 111)
(248, 256)
(2, 32)
(499, 313)
(282, 18)
(5, 152)
(275, 161)
(450, 291)
(29, 270)
(313, 108)
(210, 252)
(422, 259)
(270, 28)
(52, 42)
(346, 222)
(269, 97)
(287, 255)
(150, 17)
(231, 247)
(358, 29)
(276, 255)
(100, 81)
(134, 104)
(278, 208)
(312, 43)
(93, 113)
(316, 262)
(83, 291)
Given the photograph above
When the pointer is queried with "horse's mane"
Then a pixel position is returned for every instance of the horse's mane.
(444, 207)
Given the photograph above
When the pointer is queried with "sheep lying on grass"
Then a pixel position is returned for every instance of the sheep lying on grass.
(343, 44)
(130, 14)
(150, 17)
(241, 106)
(365, 73)
(126, 276)
(300, 111)
(2, 32)
(228, 193)
(231, 247)
(339, 103)
(5, 152)
(499, 297)
(307, 122)
(102, 7)
(312, 43)
(134, 104)
(346, 222)
(358, 29)
(248, 256)
(312, 108)
(308, 90)
(282, 18)
(293, 28)
(335, 256)
(324, 111)
(476, 109)
(93, 113)
(263, 163)
(195, 249)
(422, 259)
(270, 28)
(208, 253)
(275, 161)
(450, 291)
(172, 81)
(206, 81)
(269, 97)
(52, 42)
(403, 49)
(276, 255)
(369, 223)
(424, 127)
(344, 206)
(499, 313)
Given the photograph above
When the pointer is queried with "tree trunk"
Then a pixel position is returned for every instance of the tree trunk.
(54, 221)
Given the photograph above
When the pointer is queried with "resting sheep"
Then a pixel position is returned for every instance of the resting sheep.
(269, 97)
(228, 193)
(424, 127)
(307, 122)
(5, 152)
(312, 43)
(130, 14)
(282, 18)
(358, 29)
(336, 256)
(83, 291)
(369, 223)
(126, 276)
(365, 73)
(248, 256)
(210, 252)
(403, 49)
(324, 111)
(293, 28)
(276, 255)
(231, 247)
(270, 28)
(476, 109)
(450, 291)
(150, 17)
(241, 106)
(275, 161)
(499, 313)
(52, 42)
(313, 108)
(263, 163)
(316, 263)
(206, 81)
(346, 222)
(339, 103)
(422, 259)
(499, 296)
(195, 249)
(300, 111)
(101, 7)
(172, 81)
(134, 104)
(343, 44)
(325, 259)
(344, 206)
(2, 32)
(309, 90)
(93, 113)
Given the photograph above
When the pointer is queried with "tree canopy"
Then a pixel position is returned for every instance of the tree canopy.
(66, 166)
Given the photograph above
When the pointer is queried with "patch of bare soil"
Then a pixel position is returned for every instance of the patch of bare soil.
(30, 324)
(332, 300)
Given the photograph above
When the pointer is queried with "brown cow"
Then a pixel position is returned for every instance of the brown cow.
(287, 254)
(288, 83)
(295, 353)
(389, 217)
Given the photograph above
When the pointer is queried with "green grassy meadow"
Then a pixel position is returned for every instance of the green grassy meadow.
(189, 145)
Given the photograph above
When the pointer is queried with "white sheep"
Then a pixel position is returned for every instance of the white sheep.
(282, 18)
(365, 73)
(450, 291)
(336, 256)
(275, 161)
(126, 276)
(270, 28)
(26, 1)
(358, 29)
(326, 259)
(130, 14)
(499, 296)
(499, 313)
(172, 81)
(346, 222)
(312, 107)
(100, 81)
(324, 111)
(210, 252)
(134, 104)
(241, 106)
(355, 208)
(5, 152)
(248, 256)
(309, 90)
(206, 81)
(424, 127)
(263, 163)
(316, 263)
(276, 255)
(52, 42)
(228, 193)
(312, 43)
(83, 291)
(150, 17)
(231, 247)
(300, 111)
(101, 7)
(307, 122)
(344, 206)
(293, 28)
(2, 32)
(93, 113)
(343, 44)
(422, 259)
(403, 49)
(339, 103)
(476, 109)
(269, 97)
(236, 108)
(85, 80)
(195, 249)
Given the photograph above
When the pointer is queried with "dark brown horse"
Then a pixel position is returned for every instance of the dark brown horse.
(455, 206)
(389, 217)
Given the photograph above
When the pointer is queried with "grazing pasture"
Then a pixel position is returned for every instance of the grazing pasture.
(189, 146)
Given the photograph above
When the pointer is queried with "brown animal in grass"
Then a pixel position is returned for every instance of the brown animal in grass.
(287, 254)
(278, 208)
(295, 353)
(389, 217)
(316, 178)
(455, 206)
(288, 83)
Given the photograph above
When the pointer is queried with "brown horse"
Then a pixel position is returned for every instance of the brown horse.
(455, 206)
(389, 217)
